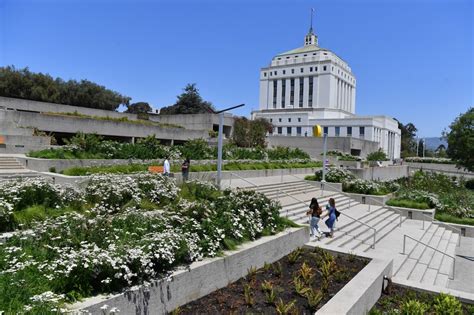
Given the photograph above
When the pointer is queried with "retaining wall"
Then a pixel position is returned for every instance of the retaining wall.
(201, 278)
(370, 199)
(381, 173)
(448, 169)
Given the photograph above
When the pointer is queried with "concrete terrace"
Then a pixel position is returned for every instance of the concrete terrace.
(420, 266)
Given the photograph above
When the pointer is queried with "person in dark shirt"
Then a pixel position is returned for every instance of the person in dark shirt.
(314, 212)
(185, 169)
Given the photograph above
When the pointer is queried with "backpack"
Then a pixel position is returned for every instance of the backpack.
(337, 213)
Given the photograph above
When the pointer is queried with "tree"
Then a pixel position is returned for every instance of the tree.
(377, 156)
(23, 83)
(189, 102)
(139, 108)
(408, 142)
(250, 133)
(461, 140)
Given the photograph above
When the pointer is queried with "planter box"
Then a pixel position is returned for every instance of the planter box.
(200, 278)
(326, 185)
(416, 214)
(376, 200)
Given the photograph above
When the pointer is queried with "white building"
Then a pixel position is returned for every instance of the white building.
(310, 86)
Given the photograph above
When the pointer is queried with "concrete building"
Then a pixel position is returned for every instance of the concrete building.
(28, 125)
(310, 86)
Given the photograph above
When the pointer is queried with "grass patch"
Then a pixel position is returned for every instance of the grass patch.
(233, 166)
(446, 217)
(405, 203)
(29, 215)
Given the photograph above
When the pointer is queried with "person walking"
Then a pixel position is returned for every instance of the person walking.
(166, 167)
(314, 212)
(331, 216)
(185, 169)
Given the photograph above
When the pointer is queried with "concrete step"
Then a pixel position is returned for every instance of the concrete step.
(406, 269)
(441, 280)
(429, 276)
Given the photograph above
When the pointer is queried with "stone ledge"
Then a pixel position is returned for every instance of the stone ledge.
(200, 278)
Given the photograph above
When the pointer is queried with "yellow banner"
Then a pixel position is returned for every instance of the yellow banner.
(317, 131)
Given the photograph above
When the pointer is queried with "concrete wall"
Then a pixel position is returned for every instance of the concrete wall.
(201, 278)
(69, 124)
(35, 106)
(314, 145)
(204, 122)
(23, 144)
(370, 199)
(448, 169)
(381, 173)
(362, 292)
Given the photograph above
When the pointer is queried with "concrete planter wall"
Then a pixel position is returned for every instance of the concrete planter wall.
(326, 186)
(201, 278)
(416, 214)
(370, 199)
(466, 230)
(381, 173)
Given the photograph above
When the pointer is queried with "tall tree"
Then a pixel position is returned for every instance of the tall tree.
(250, 133)
(189, 102)
(461, 140)
(408, 142)
(23, 83)
(139, 108)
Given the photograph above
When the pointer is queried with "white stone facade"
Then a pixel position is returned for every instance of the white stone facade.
(311, 85)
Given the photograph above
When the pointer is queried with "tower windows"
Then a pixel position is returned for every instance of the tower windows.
(302, 69)
(324, 68)
(274, 93)
(283, 92)
(301, 91)
(292, 91)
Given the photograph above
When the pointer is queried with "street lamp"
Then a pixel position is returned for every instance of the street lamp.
(219, 142)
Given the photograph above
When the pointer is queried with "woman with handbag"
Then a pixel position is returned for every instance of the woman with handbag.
(314, 212)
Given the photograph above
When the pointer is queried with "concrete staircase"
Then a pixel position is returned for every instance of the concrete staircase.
(419, 264)
(10, 168)
(10, 163)
(422, 264)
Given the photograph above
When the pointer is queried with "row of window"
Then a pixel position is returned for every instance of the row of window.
(289, 119)
(305, 55)
(289, 130)
(293, 71)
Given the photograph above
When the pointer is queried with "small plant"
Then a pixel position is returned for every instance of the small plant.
(300, 286)
(176, 311)
(327, 257)
(270, 296)
(352, 257)
(447, 304)
(283, 308)
(306, 273)
(267, 266)
(52, 169)
(267, 286)
(326, 268)
(415, 307)
(248, 295)
(294, 255)
(252, 272)
(314, 297)
(277, 269)
(324, 284)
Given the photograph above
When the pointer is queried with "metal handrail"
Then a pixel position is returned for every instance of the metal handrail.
(446, 224)
(240, 177)
(380, 203)
(454, 258)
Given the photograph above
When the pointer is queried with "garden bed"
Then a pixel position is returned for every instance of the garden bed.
(402, 300)
(301, 282)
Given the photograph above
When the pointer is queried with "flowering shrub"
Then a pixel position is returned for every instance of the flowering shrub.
(429, 160)
(335, 175)
(120, 242)
(18, 195)
(368, 187)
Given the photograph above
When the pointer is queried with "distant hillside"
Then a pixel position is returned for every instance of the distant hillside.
(434, 142)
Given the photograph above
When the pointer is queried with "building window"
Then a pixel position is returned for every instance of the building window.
(288, 130)
(274, 93)
(280, 130)
(299, 119)
(310, 96)
(301, 91)
(284, 71)
(289, 119)
(298, 131)
(310, 69)
(325, 130)
(338, 131)
(324, 68)
(362, 132)
(332, 68)
(349, 131)
(271, 119)
(316, 69)
(264, 74)
(301, 70)
(275, 73)
(292, 91)
(292, 70)
(283, 93)
(279, 119)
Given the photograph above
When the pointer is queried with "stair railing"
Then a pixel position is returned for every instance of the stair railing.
(240, 177)
(445, 224)
(417, 260)
(377, 201)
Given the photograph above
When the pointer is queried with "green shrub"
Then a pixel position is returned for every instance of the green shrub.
(469, 184)
(405, 203)
(285, 153)
(377, 156)
(414, 307)
(334, 175)
(196, 149)
(446, 304)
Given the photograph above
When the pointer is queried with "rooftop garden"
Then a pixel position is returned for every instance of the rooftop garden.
(117, 232)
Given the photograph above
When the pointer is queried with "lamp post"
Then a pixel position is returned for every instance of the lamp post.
(219, 142)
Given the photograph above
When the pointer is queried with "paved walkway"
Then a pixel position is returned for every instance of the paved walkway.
(464, 280)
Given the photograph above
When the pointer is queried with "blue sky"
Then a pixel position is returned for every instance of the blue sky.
(413, 60)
